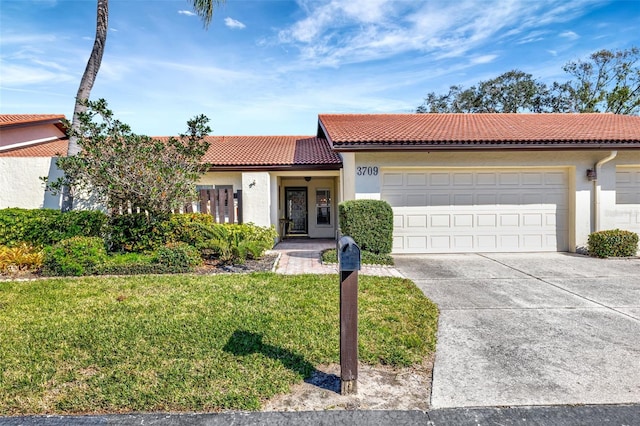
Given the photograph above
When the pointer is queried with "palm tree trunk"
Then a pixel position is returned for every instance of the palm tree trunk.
(86, 84)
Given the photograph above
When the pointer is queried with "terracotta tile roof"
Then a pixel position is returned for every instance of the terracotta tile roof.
(458, 131)
(17, 119)
(270, 152)
(47, 149)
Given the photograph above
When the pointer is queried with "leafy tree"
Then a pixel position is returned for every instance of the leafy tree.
(513, 91)
(203, 8)
(606, 82)
(118, 168)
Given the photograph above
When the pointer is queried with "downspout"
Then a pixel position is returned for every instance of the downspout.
(596, 190)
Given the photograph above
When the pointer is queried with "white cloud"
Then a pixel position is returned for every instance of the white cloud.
(233, 24)
(570, 35)
(20, 75)
(186, 12)
(338, 32)
(484, 59)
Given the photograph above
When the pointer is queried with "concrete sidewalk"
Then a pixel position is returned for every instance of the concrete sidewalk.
(614, 415)
(302, 256)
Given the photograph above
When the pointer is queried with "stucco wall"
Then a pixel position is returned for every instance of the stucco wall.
(256, 198)
(20, 185)
(222, 178)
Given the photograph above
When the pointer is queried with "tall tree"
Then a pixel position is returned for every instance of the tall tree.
(608, 81)
(513, 91)
(203, 8)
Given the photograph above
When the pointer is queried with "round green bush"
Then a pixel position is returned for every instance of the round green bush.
(369, 223)
(613, 243)
(74, 256)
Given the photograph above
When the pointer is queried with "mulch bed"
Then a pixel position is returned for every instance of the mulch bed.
(265, 264)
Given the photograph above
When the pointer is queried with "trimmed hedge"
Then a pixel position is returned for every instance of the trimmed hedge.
(613, 243)
(45, 227)
(369, 223)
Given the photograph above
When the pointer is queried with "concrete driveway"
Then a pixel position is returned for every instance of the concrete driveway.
(532, 329)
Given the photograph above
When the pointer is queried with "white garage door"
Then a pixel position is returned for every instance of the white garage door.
(628, 198)
(477, 210)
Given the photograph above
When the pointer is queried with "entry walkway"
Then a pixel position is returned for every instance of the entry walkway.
(303, 257)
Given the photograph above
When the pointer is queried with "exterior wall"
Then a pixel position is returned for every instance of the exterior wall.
(256, 198)
(20, 184)
(363, 178)
(222, 178)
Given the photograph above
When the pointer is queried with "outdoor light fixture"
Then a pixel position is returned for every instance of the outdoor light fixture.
(307, 178)
(591, 174)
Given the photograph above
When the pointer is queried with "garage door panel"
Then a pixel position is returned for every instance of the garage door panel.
(489, 179)
(462, 220)
(392, 179)
(439, 179)
(627, 214)
(440, 221)
(416, 221)
(477, 210)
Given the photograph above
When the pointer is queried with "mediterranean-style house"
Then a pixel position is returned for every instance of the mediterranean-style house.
(456, 182)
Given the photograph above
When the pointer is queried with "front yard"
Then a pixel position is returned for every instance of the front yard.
(188, 342)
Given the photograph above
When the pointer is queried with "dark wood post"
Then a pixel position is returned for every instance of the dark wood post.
(349, 259)
(348, 332)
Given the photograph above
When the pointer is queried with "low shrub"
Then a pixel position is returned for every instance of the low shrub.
(190, 228)
(44, 227)
(233, 243)
(613, 243)
(74, 256)
(20, 258)
(367, 258)
(136, 232)
(178, 255)
(369, 223)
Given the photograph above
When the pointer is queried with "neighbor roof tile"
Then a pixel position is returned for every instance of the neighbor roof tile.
(15, 119)
(269, 151)
(46, 149)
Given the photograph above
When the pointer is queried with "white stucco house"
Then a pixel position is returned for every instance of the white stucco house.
(456, 182)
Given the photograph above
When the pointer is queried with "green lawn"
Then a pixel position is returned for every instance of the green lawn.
(190, 343)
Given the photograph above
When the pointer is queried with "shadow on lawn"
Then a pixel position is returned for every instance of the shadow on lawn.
(243, 343)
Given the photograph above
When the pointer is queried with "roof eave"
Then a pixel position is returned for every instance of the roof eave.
(483, 146)
(272, 167)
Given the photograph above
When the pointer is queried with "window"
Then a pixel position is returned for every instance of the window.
(323, 207)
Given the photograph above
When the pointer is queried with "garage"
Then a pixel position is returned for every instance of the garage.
(478, 210)
(628, 198)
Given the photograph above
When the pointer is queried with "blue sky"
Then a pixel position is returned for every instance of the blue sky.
(270, 67)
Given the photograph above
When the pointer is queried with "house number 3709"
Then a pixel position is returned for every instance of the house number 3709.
(367, 171)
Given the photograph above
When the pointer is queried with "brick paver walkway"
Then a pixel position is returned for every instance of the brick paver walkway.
(303, 257)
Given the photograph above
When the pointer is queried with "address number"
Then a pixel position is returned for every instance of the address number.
(367, 171)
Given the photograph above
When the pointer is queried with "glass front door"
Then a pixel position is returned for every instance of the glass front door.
(296, 209)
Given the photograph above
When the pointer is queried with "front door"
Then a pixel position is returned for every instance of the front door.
(296, 210)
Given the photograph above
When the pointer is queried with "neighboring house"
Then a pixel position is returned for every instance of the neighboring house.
(29, 145)
(456, 182)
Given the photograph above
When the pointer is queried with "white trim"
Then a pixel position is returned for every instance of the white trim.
(33, 142)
